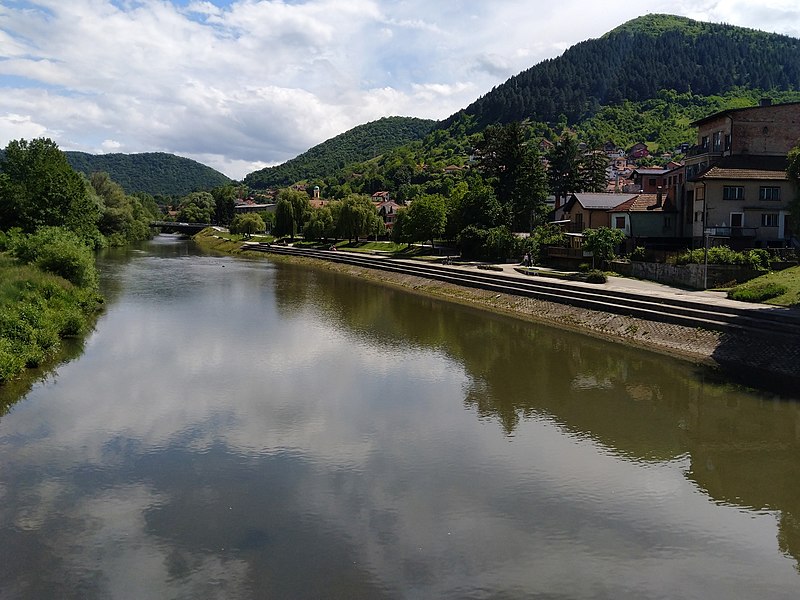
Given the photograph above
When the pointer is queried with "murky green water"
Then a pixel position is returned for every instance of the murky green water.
(238, 429)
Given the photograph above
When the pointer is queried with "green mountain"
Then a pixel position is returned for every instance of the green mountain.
(356, 145)
(156, 173)
(637, 60)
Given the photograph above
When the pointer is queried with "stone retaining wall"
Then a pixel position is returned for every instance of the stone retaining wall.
(691, 276)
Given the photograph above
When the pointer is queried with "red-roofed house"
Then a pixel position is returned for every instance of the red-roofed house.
(646, 216)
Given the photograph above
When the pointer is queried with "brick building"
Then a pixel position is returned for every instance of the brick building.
(735, 181)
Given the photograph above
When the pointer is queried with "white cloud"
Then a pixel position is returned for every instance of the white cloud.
(256, 82)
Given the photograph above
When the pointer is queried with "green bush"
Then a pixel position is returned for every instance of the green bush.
(596, 276)
(11, 360)
(471, 241)
(36, 310)
(757, 258)
(757, 292)
(500, 244)
(638, 253)
(60, 252)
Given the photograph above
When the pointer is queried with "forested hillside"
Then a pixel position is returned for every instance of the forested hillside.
(634, 62)
(155, 173)
(356, 145)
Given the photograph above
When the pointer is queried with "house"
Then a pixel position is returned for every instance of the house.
(735, 178)
(252, 207)
(590, 211)
(645, 217)
(388, 212)
(381, 196)
(745, 200)
(649, 180)
(638, 150)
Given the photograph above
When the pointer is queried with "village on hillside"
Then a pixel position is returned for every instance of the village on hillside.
(729, 188)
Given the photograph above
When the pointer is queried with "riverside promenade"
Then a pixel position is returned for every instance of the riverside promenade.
(753, 343)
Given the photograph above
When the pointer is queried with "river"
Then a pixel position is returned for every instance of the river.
(244, 429)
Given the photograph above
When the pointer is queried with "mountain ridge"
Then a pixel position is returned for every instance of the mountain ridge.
(155, 173)
(354, 145)
(636, 60)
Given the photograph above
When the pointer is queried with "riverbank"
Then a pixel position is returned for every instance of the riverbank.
(762, 362)
(37, 311)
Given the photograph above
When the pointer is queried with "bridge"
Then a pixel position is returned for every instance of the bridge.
(176, 227)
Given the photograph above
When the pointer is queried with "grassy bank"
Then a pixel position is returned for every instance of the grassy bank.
(781, 288)
(38, 310)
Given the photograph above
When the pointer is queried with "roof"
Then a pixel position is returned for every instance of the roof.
(747, 167)
(737, 110)
(720, 173)
(646, 203)
(651, 171)
(601, 201)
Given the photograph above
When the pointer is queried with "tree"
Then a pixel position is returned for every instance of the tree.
(515, 169)
(247, 224)
(269, 220)
(399, 233)
(38, 188)
(284, 218)
(319, 225)
(426, 219)
(480, 206)
(197, 207)
(543, 236)
(301, 207)
(124, 219)
(356, 216)
(593, 169)
(603, 242)
(563, 169)
(500, 243)
(224, 202)
(793, 173)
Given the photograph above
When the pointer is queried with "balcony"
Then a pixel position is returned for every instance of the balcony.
(732, 232)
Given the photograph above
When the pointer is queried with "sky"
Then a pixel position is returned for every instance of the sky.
(243, 84)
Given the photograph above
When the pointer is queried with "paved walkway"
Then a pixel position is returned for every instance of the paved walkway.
(649, 289)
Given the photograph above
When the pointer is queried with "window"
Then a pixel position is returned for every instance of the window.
(769, 219)
(704, 142)
(619, 222)
(727, 142)
(737, 219)
(579, 219)
(651, 182)
(732, 192)
(717, 141)
(769, 193)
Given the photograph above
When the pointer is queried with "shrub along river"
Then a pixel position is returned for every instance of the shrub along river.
(244, 429)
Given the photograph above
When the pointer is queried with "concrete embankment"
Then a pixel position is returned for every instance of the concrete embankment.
(756, 344)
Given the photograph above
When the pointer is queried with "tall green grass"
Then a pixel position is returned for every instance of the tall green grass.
(37, 310)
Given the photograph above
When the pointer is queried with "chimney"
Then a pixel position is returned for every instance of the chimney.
(659, 196)
(765, 102)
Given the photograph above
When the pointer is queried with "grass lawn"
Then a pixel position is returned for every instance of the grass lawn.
(781, 288)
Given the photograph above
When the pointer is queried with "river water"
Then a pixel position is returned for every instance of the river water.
(241, 429)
